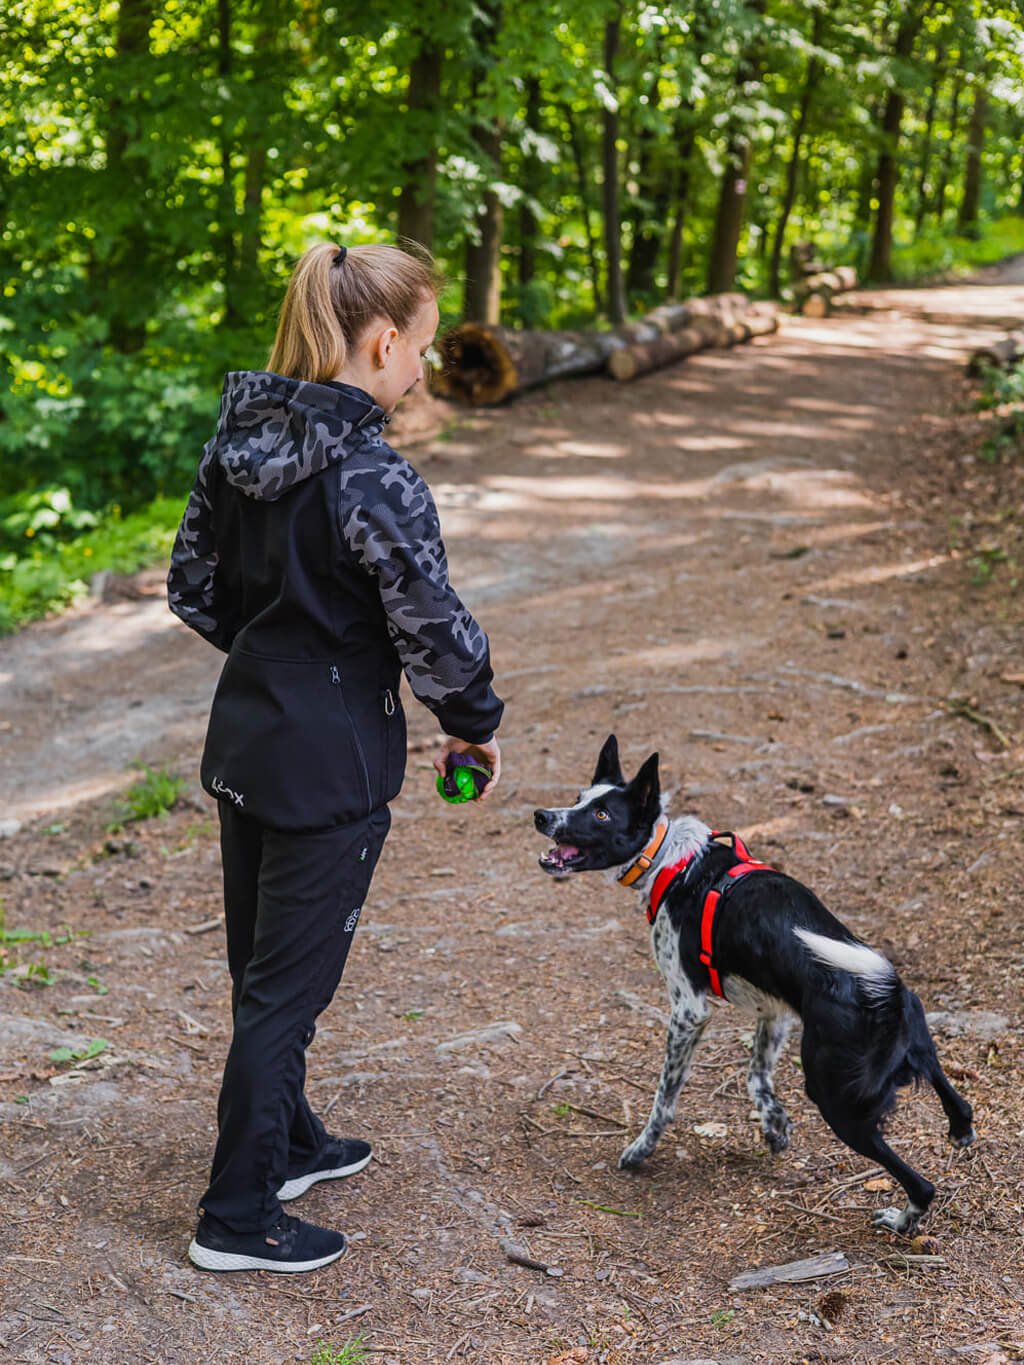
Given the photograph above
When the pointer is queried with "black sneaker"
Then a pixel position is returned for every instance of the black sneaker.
(337, 1158)
(290, 1246)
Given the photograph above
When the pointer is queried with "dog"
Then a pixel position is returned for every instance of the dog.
(726, 924)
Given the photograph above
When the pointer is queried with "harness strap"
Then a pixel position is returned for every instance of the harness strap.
(667, 876)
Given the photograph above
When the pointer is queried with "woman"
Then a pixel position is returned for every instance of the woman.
(311, 553)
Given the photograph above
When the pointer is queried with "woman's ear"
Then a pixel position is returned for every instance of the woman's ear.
(384, 345)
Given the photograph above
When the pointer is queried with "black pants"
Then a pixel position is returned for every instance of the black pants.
(291, 904)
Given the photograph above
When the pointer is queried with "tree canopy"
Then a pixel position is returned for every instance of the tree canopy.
(164, 163)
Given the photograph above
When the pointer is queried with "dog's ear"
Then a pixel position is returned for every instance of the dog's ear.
(646, 789)
(609, 769)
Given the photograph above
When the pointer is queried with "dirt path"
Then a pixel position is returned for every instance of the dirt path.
(745, 562)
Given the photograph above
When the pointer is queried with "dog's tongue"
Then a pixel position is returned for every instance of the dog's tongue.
(567, 850)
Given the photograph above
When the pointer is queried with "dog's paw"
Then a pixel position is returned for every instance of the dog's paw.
(777, 1131)
(635, 1153)
(902, 1221)
(962, 1139)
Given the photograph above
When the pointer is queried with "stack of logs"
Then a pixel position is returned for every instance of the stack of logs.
(814, 293)
(814, 284)
(486, 364)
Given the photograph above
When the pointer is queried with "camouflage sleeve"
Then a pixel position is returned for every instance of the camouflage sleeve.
(191, 582)
(390, 525)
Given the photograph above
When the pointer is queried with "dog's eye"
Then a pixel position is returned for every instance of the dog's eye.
(601, 814)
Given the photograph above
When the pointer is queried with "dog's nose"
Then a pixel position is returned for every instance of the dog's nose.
(541, 818)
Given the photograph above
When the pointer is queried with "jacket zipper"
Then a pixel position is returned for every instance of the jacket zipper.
(357, 742)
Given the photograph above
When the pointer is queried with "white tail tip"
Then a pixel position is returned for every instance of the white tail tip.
(876, 972)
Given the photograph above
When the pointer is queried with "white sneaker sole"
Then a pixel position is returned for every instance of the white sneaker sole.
(291, 1189)
(207, 1259)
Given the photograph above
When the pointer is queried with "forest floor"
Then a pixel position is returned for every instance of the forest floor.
(789, 570)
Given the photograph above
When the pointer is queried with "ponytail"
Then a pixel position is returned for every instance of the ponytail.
(333, 296)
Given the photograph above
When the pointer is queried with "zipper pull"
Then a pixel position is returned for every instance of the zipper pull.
(389, 702)
(335, 675)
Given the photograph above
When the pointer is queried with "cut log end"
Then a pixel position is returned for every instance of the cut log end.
(476, 368)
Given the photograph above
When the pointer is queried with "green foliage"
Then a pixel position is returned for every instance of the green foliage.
(161, 172)
(352, 1353)
(27, 973)
(79, 1054)
(934, 252)
(152, 796)
(45, 565)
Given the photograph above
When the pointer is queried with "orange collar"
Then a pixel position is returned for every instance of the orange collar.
(643, 862)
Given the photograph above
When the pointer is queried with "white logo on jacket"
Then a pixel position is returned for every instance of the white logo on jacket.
(222, 790)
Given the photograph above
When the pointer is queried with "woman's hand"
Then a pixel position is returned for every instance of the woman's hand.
(489, 753)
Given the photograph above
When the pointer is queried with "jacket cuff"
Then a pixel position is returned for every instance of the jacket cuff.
(473, 714)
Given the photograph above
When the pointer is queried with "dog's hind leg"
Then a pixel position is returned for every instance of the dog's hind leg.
(769, 1040)
(926, 1063)
(684, 1031)
(865, 1137)
(957, 1110)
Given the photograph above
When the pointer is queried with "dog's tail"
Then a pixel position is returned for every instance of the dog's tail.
(875, 973)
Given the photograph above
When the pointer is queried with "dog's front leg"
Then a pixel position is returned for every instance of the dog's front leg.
(684, 1031)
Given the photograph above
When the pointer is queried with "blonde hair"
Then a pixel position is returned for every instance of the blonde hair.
(330, 303)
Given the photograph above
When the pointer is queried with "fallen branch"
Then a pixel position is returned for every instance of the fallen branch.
(518, 1256)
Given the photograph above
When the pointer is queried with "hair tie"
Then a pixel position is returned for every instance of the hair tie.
(341, 254)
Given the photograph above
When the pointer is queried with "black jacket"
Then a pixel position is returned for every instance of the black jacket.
(311, 552)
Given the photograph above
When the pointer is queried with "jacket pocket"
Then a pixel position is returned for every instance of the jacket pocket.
(282, 744)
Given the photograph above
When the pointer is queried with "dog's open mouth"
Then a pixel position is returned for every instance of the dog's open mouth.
(562, 858)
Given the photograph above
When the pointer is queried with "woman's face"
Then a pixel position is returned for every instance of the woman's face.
(399, 356)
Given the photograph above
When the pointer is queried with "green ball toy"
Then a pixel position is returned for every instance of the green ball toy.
(464, 780)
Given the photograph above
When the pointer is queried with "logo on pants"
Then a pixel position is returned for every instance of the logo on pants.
(352, 920)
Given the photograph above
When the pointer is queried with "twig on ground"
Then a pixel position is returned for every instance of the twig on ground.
(518, 1256)
(205, 927)
(960, 706)
(565, 1071)
(354, 1313)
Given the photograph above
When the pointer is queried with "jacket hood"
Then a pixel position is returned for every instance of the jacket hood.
(273, 432)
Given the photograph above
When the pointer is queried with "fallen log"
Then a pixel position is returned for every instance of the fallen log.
(997, 355)
(485, 364)
(704, 331)
(816, 292)
(642, 357)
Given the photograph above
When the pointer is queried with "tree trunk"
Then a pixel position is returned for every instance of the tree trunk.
(733, 194)
(583, 190)
(967, 219)
(946, 165)
(929, 127)
(232, 314)
(117, 278)
(531, 188)
(650, 210)
(419, 174)
(610, 190)
(729, 217)
(793, 169)
(252, 218)
(687, 138)
(880, 265)
(482, 295)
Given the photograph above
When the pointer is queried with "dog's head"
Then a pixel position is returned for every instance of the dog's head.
(611, 821)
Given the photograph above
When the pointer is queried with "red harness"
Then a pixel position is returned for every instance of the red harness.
(667, 876)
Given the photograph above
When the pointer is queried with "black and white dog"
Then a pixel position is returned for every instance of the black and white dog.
(737, 928)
